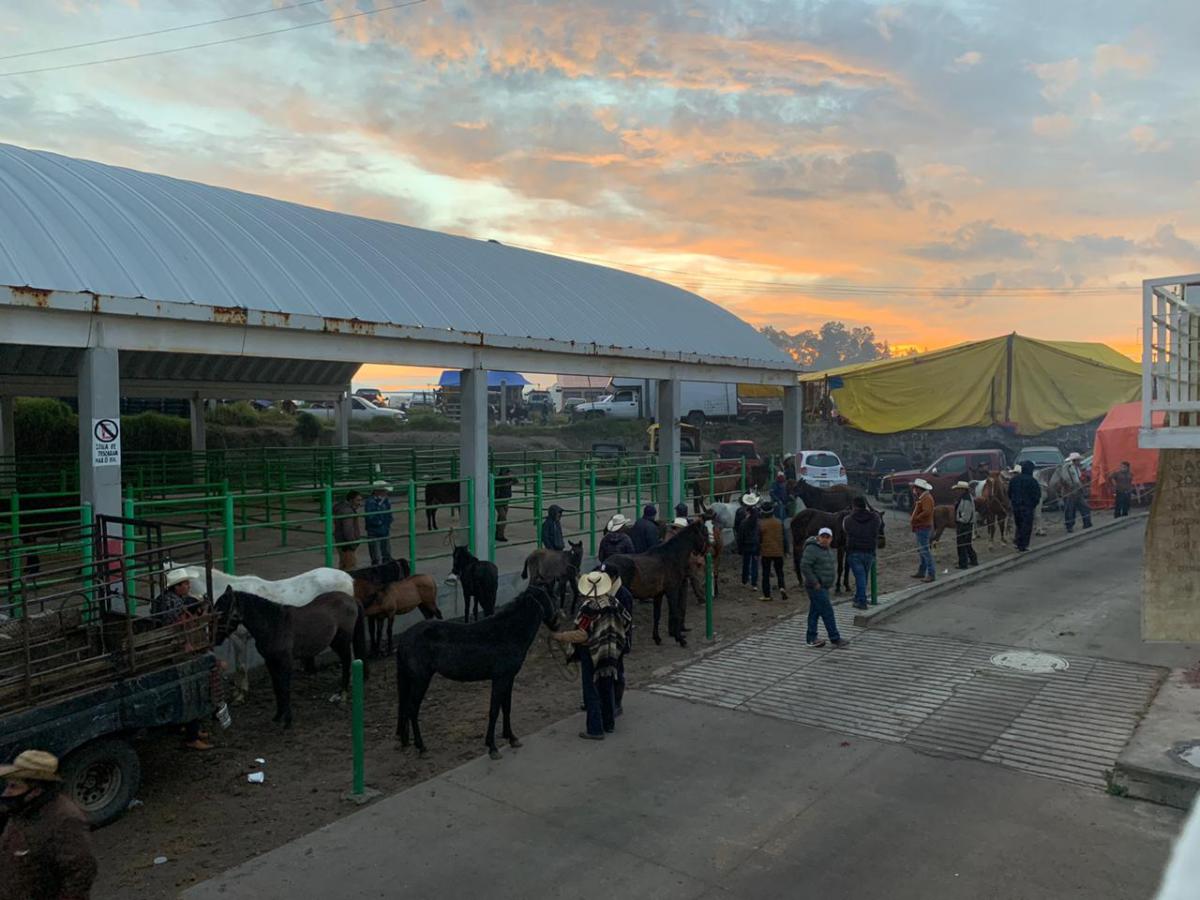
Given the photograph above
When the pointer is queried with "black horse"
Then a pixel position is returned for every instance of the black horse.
(492, 649)
(664, 570)
(282, 633)
(831, 499)
(479, 579)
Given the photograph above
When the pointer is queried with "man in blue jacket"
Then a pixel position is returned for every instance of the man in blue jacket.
(552, 535)
(377, 516)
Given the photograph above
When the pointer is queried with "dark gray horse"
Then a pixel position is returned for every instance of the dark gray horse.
(282, 633)
(492, 649)
(479, 579)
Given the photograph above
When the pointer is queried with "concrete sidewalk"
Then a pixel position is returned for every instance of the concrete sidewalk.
(691, 801)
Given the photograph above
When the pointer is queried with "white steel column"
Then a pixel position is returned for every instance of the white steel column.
(473, 450)
(8, 432)
(668, 446)
(793, 418)
(99, 398)
(199, 430)
(341, 420)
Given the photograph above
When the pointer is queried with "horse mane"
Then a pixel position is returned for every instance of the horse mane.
(265, 608)
(669, 548)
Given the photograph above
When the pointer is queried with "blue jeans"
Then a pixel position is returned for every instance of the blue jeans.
(860, 566)
(597, 696)
(819, 607)
(380, 549)
(927, 567)
(750, 568)
(1076, 504)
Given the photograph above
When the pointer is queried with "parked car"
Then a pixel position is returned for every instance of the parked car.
(821, 467)
(1041, 457)
(879, 465)
(372, 395)
(730, 455)
(361, 411)
(947, 470)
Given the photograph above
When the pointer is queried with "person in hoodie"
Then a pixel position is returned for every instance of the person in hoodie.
(552, 533)
(818, 568)
(862, 528)
(1025, 494)
(645, 530)
(748, 539)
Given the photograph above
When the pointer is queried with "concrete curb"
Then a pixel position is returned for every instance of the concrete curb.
(891, 604)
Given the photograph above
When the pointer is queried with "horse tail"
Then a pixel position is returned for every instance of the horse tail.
(360, 638)
(525, 568)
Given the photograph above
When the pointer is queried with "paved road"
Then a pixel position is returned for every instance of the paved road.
(772, 770)
(1085, 601)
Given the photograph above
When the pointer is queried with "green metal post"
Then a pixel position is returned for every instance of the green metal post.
(356, 727)
(537, 504)
(874, 583)
(86, 546)
(743, 474)
(227, 534)
(327, 513)
(266, 491)
(492, 515)
(708, 595)
(412, 463)
(582, 510)
(243, 504)
(670, 473)
(471, 515)
(412, 524)
(637, 492)
(283, 510)
(592, 511)
(127, 563)
(18, 558)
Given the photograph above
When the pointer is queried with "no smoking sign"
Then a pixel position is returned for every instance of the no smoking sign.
(106, 442)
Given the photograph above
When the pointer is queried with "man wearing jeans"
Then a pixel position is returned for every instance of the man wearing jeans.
(1122, 485)
(378, 518)
(818, 568)
(862, 537)
(922, 526)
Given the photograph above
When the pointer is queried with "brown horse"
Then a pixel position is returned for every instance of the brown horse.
(720, 490)
(282, 633)
(396, 599)
(664, 570)
(994, 505)
(556, 570)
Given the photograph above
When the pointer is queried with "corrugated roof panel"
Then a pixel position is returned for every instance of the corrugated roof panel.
(74, 225)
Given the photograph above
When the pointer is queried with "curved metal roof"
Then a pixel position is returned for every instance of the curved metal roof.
(74, 225)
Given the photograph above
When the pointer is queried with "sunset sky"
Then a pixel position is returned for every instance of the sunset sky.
(939, 171)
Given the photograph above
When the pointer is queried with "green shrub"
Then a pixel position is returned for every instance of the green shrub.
(240, 413)
(45, 426)
(384, 423)
(154, 431)
(308, 428)
(430, 421)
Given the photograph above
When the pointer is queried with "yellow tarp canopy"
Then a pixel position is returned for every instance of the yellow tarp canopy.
(759, 391)
(1030, 384)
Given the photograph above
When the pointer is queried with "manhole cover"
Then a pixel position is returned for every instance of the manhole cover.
(1030, 661)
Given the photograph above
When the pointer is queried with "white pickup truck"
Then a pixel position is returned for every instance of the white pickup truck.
(698, 402)
(361, 411)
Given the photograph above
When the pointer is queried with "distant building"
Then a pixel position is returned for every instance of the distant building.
(449, 399)
(579, 389)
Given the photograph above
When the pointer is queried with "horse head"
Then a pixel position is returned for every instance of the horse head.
(575, 554)
(550, 613)
(460, 560)
(696, 535)
(228, 609)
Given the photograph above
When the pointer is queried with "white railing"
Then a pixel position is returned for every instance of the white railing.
(1171, 362)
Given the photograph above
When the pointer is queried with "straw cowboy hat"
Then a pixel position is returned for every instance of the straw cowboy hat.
(750, 499)
(596, 584)
(680, 521)
(32, 765)
(923, 484)
(962, 486)
(175, 576)
(616, 523)
(380, 485)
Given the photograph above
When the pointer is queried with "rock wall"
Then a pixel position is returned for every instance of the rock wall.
(1171, 564)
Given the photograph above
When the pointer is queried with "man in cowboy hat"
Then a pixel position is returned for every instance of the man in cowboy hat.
(922, 526)
(378, 518)
(964, 525)
(771, 548)
(615, 539)
(1025, 495)
(173, 606)
(599, 637)
(745, 530)
(45, 848)
(1073, 494)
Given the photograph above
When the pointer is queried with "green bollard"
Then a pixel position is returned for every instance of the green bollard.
(356, 727)
(327, 513)
(708, 595)
(86, 546)
(874, 582)
(592, 511)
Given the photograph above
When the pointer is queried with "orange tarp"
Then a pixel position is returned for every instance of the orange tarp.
(1117, 442)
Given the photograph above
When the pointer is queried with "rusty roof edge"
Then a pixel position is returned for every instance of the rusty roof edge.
(104, 304)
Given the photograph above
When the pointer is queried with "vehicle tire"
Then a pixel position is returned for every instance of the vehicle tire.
(903, 501)
(102, 777)
(593, 414)
(754, 419)
(695, 418)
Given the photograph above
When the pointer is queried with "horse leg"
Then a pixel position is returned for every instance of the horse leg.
(657, 613)
(341, 646)
(493, 712)
(285, 692)
(677, 610)
(403, 689)
(431, 519)
(391, 627)
(506, 708)
(274, 669)
(416, 695)
(310, 665)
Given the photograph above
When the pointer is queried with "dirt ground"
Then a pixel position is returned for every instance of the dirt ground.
(199, 811)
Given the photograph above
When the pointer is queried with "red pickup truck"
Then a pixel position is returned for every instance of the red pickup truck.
(730, 455)
(946, 471)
